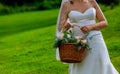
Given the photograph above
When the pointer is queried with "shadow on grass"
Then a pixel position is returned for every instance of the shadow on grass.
(23, 27)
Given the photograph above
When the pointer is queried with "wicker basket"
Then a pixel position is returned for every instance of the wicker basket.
(69, 53)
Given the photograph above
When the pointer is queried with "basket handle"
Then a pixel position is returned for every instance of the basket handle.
(74, 24)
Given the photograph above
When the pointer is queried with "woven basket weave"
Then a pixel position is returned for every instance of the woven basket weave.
(69, 53)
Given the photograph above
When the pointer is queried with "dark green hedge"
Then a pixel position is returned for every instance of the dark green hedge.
(41, 4)
(13, 6)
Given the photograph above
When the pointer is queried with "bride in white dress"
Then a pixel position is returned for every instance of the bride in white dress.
(84, 13)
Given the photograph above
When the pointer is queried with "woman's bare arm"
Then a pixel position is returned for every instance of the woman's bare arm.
(102, 23)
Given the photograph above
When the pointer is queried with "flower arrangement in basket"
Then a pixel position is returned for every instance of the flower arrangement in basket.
(71, 49)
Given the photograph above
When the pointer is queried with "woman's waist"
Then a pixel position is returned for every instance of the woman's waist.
(94, 32)
(84, 22)
(89, 34)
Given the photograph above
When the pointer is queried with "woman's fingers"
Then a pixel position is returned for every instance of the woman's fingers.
(84, 29)
(67, 26)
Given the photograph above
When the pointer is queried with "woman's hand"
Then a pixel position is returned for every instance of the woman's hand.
(86, 29)
(67, 26)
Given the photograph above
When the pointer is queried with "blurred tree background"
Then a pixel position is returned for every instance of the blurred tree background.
(13, 6)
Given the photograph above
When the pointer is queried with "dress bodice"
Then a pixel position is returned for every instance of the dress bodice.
(86, 18)
(77, 17)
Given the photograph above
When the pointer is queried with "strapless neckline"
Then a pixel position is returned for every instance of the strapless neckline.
(82, 12)
(77, 16)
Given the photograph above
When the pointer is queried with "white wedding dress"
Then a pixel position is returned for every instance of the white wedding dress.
(97, 60)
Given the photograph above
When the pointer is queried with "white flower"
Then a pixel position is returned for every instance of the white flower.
(60, 35)
(68, 35)
(84, 41)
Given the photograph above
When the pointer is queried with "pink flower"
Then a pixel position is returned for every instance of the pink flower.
(78, 37)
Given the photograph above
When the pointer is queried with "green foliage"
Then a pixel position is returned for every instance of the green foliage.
(105, 7)
(10, 10)
(109, 2)
(4, 9)
(15, 6)
(9, 7)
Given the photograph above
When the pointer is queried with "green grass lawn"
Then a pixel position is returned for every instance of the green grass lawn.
(15, 23)
(26, 42)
